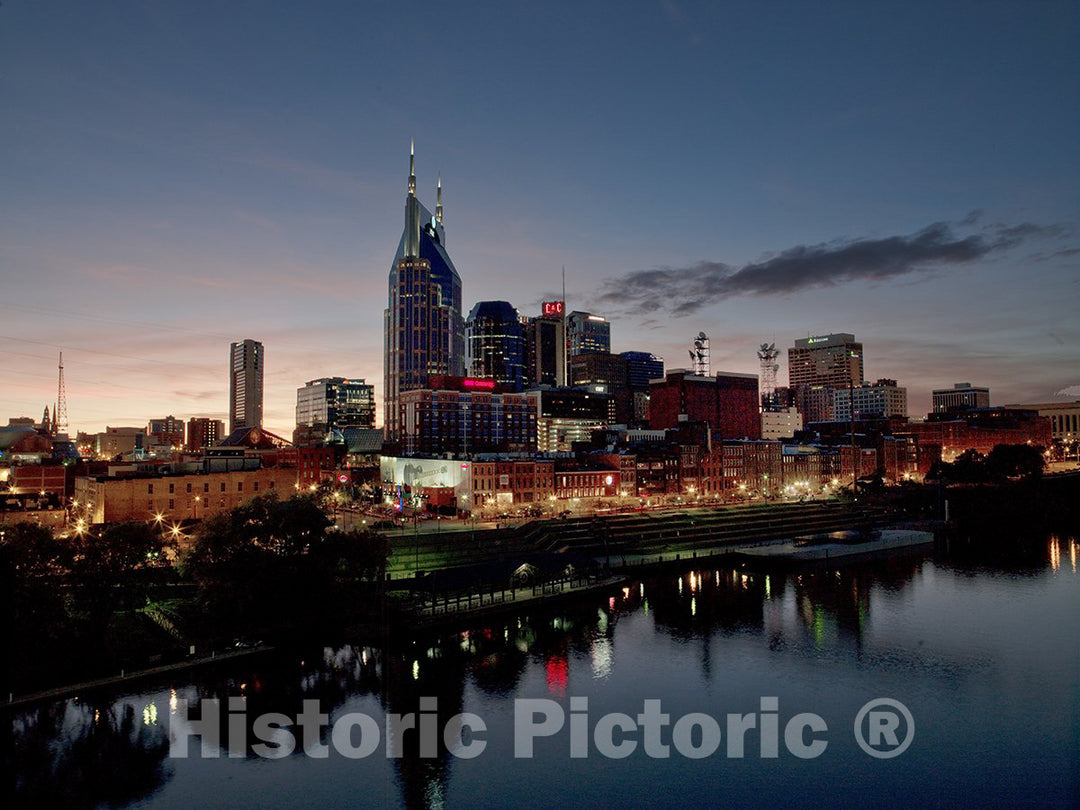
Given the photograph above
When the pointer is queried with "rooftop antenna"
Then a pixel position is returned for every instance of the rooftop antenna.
(60, 418)
(699, 355)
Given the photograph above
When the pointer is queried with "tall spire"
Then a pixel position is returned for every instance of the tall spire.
(412, 168)
(438, 199)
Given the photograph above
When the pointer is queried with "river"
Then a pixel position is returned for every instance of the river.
(719, 685)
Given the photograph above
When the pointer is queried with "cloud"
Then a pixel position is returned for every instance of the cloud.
(687, 289)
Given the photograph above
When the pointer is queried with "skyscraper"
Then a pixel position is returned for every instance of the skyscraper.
(817, 366)
(545, 347)
(587, 333)
(424, 330)
(495, 344)
(245, 385)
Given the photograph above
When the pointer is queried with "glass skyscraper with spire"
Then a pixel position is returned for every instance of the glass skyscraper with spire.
(424, 328)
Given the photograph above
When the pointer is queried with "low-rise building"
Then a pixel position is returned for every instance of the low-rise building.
(186, 496)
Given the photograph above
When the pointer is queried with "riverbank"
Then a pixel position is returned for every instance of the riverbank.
(134, 677)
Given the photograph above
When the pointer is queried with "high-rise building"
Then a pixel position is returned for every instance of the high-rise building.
(245, 385)
(332, 404)
(882, 399)
(424, 329)
(495, 344)
(203, 433)
(587, 333)
(727, 402)
(545, 347)
(640, 368)
(820, 364)
(605, 373)
(465, 415)
(961, 397)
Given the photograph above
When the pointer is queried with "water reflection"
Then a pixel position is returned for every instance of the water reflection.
(114, 751)
(85, 753)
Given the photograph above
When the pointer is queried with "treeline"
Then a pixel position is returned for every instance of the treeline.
(1006, 462)
(79, 607)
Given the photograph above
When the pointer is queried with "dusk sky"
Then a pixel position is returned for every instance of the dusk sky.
(179, 175)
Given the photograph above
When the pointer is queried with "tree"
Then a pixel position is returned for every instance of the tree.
(1015, 461)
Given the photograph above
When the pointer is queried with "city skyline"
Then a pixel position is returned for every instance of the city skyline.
(172, 190)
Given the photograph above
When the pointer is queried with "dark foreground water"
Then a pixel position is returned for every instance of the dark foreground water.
(982, 650)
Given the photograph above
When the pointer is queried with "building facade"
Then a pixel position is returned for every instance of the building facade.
(727, 402)
(545, 348)
(495, 344)
(246, 361)
(1064, 418)
(332, 404)
(961, 397)
(423, 326)
(883, 398)
(167, 432)
(586, 332)
(819, 365)
(565, 416)
(780, 424)
(103, 499)
(466, 420)
(203, 433)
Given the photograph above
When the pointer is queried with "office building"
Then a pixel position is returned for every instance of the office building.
(424, 328)
(545, 347)
(495, 344)
(567, 415)
(462, 416)
(325, 407)
(961, 397)
(246, 361)
(882, 399)
(819, 365)
(605, 373)
(587, 333)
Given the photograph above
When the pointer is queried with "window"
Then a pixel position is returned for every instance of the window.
(149, 489)
(206, 487)
(239, 486)
(172, 505)
(256, 485)
(172, 488)
(189, 488)
(222, 486)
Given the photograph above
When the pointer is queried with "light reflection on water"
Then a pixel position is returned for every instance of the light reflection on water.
(984, 654)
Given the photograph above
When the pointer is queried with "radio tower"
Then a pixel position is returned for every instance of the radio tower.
(699, 355)
(60, 418)
(767, 354)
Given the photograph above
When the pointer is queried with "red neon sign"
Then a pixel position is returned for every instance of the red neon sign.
(486, 384)
(553, 308)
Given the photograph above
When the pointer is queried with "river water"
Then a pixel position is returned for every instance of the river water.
(625, 699)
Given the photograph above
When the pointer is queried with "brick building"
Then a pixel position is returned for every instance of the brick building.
(727, 402)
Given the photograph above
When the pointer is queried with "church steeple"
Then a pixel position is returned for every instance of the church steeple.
(438, 200)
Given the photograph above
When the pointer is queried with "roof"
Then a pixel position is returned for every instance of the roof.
(363, 441)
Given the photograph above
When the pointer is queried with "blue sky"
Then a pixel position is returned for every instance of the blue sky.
(177, 175)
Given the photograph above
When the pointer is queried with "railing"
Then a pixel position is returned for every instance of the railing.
(455, 603)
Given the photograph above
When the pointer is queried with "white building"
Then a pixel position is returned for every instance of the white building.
(780, 424)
